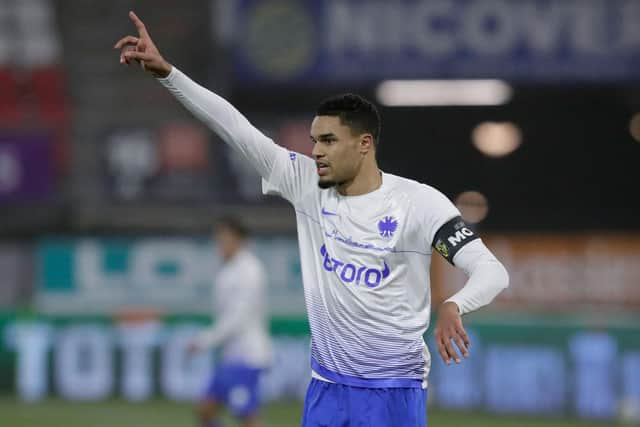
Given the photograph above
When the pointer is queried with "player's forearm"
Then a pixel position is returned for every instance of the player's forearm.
(232, 322)
(224, 119)
(220, 332)
(487, 277)
(208, 338)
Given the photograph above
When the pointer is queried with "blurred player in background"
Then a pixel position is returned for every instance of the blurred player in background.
(241, 329)
(365, 241)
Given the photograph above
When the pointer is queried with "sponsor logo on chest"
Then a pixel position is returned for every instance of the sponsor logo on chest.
(354, 273)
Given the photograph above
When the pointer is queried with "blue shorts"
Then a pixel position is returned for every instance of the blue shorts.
(333, 405)
(235, 386)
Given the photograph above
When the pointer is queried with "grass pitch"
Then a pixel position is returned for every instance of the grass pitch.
(162, 413)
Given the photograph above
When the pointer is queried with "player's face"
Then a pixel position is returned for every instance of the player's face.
(228, 242)
(336, 150)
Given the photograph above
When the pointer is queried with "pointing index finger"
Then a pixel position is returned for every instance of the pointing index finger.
(142, 30)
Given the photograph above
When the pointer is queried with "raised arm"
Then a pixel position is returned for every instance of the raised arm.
(214, 111)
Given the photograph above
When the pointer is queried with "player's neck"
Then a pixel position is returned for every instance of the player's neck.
(231, 254)
(368, 179)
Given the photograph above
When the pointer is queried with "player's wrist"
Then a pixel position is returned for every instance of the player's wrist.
(164, 70)
(450, 306)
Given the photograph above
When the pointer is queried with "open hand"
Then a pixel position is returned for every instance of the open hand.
(143, 50)
(449, 328)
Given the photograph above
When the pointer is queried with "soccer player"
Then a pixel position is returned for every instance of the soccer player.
(241, 329)
(365, 239)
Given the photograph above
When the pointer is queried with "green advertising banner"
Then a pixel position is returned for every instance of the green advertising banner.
(174, 275)
(171, 275)
(535, 365)
(115, 316)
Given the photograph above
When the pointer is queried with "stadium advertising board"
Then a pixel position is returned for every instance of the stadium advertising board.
(26, 170)
(137, 361)
(521, 363)
(346, 40)
(526, 369)
(172, 275)
(16, 267)
(174, 161)
(177, 161)
(560, 272)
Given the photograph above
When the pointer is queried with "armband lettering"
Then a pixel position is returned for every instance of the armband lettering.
(452, 237)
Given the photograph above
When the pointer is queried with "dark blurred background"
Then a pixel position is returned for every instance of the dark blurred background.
(526, 113)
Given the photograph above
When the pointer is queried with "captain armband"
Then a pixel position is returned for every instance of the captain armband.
(452, 237)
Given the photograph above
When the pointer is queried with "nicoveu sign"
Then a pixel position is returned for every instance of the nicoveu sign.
(544, 40)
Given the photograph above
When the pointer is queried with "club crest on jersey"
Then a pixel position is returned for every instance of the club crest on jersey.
(387, 226)
(352, 273)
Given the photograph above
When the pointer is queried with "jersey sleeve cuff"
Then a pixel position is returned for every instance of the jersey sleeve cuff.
(170, 78)
(458, 303)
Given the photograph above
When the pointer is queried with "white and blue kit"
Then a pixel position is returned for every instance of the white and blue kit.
(365, 260)
(366, 274)
(241, 330)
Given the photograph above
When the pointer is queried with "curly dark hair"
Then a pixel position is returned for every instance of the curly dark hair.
(356, 112)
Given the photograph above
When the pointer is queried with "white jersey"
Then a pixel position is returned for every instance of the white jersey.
(239, 299)
(365, 265)
(365, 259)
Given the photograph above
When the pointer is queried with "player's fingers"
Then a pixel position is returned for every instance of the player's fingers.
(437, 334)
(460, 343)
(445, 348)
(443, 352)
(140, 56)
(146, 45)
(126, 48)
(142, 30)
(126, 40)
(450, 350)
(461, 338)
(463, 334)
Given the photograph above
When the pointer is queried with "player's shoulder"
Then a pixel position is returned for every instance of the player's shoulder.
(418, 191)
(252, 264)
(249, 258)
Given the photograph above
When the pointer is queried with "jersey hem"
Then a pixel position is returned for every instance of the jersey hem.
(365, 382)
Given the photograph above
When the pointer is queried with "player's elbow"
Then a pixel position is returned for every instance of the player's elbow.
(502, 276)
(495, 273)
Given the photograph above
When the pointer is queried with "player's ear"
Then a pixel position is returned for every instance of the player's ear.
(366, 143)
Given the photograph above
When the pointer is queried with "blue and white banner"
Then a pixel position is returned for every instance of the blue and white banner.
(313, 41)
(173, 275)
(153, 361)
(513, 368)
